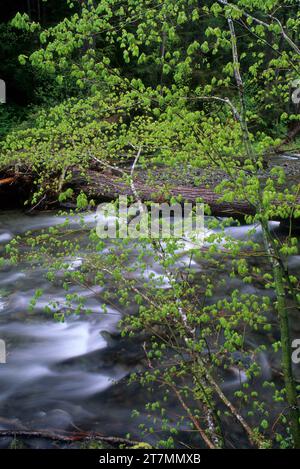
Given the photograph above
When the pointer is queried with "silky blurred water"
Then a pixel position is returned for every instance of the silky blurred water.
(73, 375)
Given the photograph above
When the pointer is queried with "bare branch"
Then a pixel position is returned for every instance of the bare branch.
(68, 437)
(132, 185)
(107, 165)
(286, 37)
(263, 23)
(240, 85)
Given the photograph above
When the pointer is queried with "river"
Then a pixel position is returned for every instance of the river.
(65, 376)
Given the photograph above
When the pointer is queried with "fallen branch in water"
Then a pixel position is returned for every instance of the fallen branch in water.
(68, 437)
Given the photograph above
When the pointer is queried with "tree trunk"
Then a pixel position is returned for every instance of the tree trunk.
(282, 309)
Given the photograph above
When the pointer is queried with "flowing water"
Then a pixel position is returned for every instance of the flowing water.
(65, 376)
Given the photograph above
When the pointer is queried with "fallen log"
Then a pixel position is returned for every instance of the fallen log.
(105, 186)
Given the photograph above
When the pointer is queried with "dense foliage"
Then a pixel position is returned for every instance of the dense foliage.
(176, 82)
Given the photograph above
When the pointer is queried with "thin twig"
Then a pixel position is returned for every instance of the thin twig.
(68, 437)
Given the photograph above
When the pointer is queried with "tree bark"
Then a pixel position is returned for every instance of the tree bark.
(286, 358)
(104, 186)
